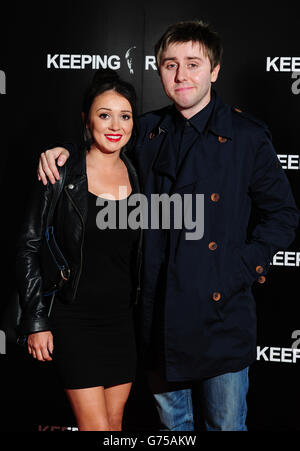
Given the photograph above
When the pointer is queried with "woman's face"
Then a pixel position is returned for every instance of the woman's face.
(110, 121)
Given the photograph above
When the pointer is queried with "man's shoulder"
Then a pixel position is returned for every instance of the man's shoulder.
(152, 118)
(244, 120)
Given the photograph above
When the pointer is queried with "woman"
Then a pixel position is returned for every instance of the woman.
(90, 333)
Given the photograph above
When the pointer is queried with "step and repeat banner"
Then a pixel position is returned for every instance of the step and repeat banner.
(49, 52)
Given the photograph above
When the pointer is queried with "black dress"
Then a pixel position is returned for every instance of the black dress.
(94, 340)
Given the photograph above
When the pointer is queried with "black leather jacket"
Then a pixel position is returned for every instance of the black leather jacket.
(69, 225)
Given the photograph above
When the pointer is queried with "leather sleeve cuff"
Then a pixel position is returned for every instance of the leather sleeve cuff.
(31, 326)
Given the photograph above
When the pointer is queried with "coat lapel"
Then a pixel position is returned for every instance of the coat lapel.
(206, 155)
(157, 154)
(165, 161)
(208, 152)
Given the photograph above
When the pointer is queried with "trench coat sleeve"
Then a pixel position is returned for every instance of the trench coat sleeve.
(28, 274)
(271, 193)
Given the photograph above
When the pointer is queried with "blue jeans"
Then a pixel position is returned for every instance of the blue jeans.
(222, 400)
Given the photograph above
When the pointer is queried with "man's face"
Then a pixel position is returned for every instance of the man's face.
(186, 76)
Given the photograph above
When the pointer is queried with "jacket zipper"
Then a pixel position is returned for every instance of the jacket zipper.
(82, 241)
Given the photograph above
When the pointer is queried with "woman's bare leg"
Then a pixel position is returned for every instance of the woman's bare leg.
(89, 407)
(116, 397)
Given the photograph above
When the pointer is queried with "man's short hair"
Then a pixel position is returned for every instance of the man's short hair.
(195, 31)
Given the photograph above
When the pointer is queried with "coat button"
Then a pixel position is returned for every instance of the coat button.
(261, 279)
(212, 246)
(222, 140)
(259, 269)
(71, 186)
(215, 197)
(238, 110)
(216, 296)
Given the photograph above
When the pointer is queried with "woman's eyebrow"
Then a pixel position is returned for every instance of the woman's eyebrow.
(108, 109)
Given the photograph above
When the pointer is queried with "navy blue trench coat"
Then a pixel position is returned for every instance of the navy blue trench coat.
(209, 310)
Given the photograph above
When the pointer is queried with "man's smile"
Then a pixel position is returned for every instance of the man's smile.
(184, 89)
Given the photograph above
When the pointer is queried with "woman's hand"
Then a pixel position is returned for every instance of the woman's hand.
(47, 166)
(40, 344)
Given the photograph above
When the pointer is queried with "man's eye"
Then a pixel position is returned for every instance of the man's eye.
(171, 66)
(193, 65)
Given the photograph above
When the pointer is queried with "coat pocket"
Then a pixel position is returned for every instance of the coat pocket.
(233, 274)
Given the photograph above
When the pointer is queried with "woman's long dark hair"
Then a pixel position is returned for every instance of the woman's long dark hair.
(108, 80)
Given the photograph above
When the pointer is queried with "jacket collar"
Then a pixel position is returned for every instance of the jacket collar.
(76, 167)
(220, 121)
(76, 164)
(219, 124)
(197, 122)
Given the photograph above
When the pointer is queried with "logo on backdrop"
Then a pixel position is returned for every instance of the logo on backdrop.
(296, 337)
(296, 83)
(282, 355)
(68, 61)
(286, 64)
(290, 162)
(129, 58)
(2, 82)
(2, 342)
(283, 64)
(286, 258)
(49, 428)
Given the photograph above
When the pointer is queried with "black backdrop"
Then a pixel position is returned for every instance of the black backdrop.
(40, 104)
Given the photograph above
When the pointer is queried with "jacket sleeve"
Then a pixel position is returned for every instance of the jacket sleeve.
(28, 274)
(275, 229)
(71, 147)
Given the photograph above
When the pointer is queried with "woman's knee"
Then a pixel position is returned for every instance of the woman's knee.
(93, 424)
(90, 409)
(115, 421)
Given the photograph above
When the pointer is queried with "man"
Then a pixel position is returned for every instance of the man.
(198, 311)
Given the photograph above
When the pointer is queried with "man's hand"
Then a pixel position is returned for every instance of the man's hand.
(47, 165)
(40, 345)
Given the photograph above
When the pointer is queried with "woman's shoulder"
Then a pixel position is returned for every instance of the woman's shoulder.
(76, 163)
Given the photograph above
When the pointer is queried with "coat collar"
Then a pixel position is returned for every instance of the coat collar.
(219, 122)
(163, 135)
